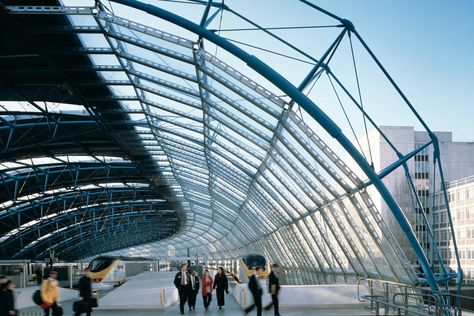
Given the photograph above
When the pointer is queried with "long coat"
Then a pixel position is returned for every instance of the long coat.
(221, 284)
(254, 287)
(273, 282)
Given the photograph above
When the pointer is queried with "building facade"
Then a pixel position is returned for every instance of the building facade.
(458, 162)
(461, 203)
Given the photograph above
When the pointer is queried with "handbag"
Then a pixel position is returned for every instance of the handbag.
(93, 302)
(80, 306)
(37, 297)
(57, 310)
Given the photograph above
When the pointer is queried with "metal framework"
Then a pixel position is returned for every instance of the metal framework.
(227, 164)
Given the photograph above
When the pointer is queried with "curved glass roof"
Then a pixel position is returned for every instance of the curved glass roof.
(198, 136)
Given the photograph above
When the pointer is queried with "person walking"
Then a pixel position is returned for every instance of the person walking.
(3, 287)
(8, 300)
(194, 290)
(39, 275)
(221, 285)
(206, 291)
(85, 292)
(50, 294)
(182, 281)
(256, 290)
(274, 288)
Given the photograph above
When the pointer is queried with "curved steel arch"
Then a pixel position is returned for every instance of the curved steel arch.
(59, 200)
(297, 96)
(61, 238)
(34, 229)
(29, 134)
(249, 175)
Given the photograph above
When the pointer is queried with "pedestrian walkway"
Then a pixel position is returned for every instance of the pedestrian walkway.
(231, 309)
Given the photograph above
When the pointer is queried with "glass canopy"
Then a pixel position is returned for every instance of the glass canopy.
(222, 151)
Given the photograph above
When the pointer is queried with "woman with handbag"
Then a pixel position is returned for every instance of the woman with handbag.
(50, 295)
(206, 291)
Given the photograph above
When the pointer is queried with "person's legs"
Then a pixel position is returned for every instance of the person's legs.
(183, 297)
(258, 304)
(276, 304)
(249, 309)
(267, 308)
(220, 297)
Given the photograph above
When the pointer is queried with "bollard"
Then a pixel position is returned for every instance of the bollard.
(162, 297)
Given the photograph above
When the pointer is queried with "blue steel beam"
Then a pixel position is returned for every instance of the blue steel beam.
(310, 107)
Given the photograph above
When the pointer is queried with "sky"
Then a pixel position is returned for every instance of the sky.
(427, 46)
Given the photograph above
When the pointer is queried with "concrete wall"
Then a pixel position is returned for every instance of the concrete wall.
(305, 296)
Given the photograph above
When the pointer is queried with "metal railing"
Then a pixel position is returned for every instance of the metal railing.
(392, 298)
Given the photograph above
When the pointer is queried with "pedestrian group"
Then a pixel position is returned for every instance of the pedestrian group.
(188, 283)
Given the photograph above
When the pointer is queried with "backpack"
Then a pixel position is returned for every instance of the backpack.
(37, 297)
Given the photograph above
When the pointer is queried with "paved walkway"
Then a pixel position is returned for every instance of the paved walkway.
(231, 309)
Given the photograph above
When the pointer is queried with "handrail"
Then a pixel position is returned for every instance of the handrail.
(399, 308)
(439, 302)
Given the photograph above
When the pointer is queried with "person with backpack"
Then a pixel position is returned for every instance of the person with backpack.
(50, 295)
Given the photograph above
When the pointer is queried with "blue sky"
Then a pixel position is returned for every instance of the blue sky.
(426, 45)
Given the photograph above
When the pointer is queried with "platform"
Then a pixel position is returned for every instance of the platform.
(151, 293)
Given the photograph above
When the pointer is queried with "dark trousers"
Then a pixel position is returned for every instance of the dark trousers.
(88, 308)
(220, 296)
(192, 299)
(275, 304)
(183, 297)
(52, 308)
(257, 303)
(207, 300)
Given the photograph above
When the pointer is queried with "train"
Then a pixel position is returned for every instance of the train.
(109, 271)
(249, 262)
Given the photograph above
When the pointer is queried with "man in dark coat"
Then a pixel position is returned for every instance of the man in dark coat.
(194, 290)
(274, 288)
(39, 275)
(182, 281)
(221, 285)
(85, 292)
(256, 290)
(7, 307)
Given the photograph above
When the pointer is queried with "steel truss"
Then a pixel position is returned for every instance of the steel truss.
(240, 166)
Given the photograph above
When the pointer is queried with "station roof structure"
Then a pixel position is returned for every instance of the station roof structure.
(133, 128)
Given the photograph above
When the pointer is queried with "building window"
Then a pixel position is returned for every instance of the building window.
(421, 157)
(421, 175)
(423, 192)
